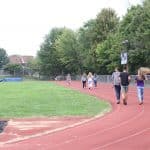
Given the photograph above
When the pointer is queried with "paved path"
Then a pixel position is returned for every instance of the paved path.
(125, 128)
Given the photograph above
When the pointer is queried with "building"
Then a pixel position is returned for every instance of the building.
(18, 59)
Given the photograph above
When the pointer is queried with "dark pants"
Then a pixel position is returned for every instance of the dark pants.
(95, 83)
(117, 91)
(84, 84)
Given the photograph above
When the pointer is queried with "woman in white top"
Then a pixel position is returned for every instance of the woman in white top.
(90, 80)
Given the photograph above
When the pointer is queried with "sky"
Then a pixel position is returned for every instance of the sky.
(24, 23)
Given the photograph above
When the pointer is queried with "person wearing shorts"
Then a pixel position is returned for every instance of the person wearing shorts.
(124, 79)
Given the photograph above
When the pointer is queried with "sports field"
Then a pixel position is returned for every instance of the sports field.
(43, 98)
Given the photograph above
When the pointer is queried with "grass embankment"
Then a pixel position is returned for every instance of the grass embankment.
(38, 98)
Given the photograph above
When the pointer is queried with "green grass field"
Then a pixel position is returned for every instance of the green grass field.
(40, 98)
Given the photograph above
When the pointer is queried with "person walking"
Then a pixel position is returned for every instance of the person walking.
(140, 86)
(90, 80)
(83, 80)
(124, 80)
(68, 79)
(116, 84)
(95, 80)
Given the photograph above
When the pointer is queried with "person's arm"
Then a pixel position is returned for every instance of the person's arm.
(129, 78)
(120, 78)
(145, 77)
(136, 79)
(112, 78)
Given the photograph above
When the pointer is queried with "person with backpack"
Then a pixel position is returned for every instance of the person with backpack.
(116, 84)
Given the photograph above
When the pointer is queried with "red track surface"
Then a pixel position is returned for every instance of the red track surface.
(125, 128)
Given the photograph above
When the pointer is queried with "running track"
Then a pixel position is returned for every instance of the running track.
(124, 128)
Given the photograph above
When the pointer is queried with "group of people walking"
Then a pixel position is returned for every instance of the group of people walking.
(89, 80)
(121, 82)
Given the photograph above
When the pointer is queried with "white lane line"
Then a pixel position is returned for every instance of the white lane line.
(122, 139)
(100, 132)
(52, 131)
(26, 125)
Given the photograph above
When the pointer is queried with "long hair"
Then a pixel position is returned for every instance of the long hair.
(89, 74)
(144, 70)
(140, 75)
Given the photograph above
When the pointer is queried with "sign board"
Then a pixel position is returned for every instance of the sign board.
(124, 58)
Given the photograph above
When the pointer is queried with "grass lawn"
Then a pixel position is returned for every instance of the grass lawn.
(43, 98)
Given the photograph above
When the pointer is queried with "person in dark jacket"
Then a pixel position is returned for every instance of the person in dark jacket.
(95, 80)
(84, 80)
(124, 80)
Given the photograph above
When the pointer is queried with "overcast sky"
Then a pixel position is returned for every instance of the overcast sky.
(24, 23)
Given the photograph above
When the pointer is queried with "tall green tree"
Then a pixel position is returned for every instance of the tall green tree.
(109, 54)
(107, 25)
(68, 51)
(93, 34)
(48, 57)
(86, 39)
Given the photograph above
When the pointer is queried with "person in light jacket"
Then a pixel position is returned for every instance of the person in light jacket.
(116, 84)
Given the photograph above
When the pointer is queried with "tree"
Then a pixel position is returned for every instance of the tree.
(108, 53)
(106, 23)
(48, 57)
(33, 66)
(135, 27)
(14, 69)
(97, 46)
(3, 57)
(86, 39)
(68, 51)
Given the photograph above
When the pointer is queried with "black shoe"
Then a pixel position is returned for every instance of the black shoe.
(124, 102)
(118, 102)
(140, 103)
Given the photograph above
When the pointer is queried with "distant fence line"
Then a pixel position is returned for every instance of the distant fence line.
(100, 78)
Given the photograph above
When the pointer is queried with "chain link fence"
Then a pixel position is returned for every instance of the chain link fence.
(100, 78)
